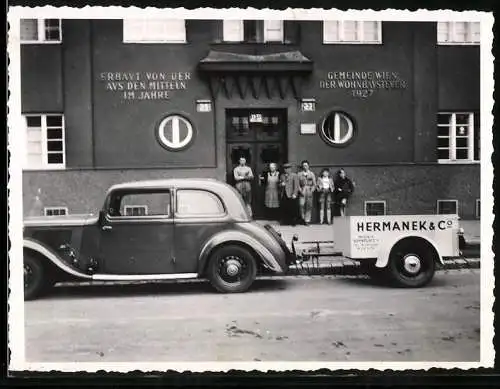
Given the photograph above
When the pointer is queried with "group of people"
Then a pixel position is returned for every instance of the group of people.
(289, 196)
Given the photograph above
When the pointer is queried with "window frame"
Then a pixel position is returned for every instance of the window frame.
(41, 28)
(136, 191)
(452, 136)
(45, 165)
(367, 202)
(146, 23)
(446, 200)
(452, 33)
(178, 215)
(46, 210)
(342, 41)
(241, 31)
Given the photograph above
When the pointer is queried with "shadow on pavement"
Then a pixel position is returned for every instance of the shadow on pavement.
(191, 287)
(439, 280)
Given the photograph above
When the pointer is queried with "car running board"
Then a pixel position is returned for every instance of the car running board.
(142, 277)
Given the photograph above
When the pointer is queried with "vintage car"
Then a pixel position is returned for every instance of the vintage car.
(155, 230)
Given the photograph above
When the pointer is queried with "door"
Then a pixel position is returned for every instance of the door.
(199, 215)
(260, 137)
(137, 234)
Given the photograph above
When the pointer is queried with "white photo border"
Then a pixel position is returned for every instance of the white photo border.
(16, 146)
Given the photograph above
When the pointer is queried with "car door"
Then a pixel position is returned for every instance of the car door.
(199, 215)
(137, 233)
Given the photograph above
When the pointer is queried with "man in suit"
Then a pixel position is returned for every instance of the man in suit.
(289, 183)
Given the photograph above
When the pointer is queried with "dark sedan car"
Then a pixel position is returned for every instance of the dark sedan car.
(155, 230)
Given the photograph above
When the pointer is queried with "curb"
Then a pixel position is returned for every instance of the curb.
(346, 268)
(314, 269)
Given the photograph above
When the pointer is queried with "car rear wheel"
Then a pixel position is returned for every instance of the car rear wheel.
(35, 280)
(411, 264)
(232, 269)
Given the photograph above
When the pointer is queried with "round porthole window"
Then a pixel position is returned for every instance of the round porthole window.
(337, 129)
(175, 132)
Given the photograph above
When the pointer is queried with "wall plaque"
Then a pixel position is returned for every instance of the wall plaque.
(141, 86)
(363, 83)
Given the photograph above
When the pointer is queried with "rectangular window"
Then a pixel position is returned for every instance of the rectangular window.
(198, 203)
(349, 31)
(136, 210)
(375, 208)
(458, 33)
(478, 208)
(154, 31)
(257, 31)
(45, 148)
(144, 204)
(232, 30)
(456, 138)
(41, 31)
(447, 207)
(55, 211)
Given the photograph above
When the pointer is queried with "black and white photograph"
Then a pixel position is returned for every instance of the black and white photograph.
(216, 189)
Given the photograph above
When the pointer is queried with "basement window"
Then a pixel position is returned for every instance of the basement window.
(375, 208)
(447, 207)
(136, 210)
(55, 211)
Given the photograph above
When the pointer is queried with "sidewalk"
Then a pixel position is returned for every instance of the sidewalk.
(324, 232)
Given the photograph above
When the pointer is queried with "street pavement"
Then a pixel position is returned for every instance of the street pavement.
(280, 319)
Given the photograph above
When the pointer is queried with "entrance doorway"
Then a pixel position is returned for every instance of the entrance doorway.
(259, 135)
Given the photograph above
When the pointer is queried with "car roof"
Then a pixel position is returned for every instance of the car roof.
(205, 183)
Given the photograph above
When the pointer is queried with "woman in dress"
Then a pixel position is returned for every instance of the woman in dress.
(271, 180)
(243, 177)
(325, 188)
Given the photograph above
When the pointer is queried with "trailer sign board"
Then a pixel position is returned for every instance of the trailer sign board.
(414, 225)
(361, 237)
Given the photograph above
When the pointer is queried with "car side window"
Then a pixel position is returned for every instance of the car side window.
(141, 204)
(192, 202)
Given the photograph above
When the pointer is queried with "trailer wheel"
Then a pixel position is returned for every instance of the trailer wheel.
(411, 263)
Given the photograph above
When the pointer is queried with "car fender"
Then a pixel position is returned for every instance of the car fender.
(238, 237)
(385, 249)
(51, 256)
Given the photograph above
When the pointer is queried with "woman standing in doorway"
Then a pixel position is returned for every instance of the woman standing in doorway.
(271, 179)
(343, 190)
(325, 188)
(307, 185)
(243, 177)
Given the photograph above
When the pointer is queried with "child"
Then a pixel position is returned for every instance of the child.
(325, 188)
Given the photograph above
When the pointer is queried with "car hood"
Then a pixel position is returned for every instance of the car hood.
(67, 220)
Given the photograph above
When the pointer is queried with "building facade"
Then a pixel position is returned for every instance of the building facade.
(396, 104)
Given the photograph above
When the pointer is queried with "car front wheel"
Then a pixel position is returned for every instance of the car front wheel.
(232, 269)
